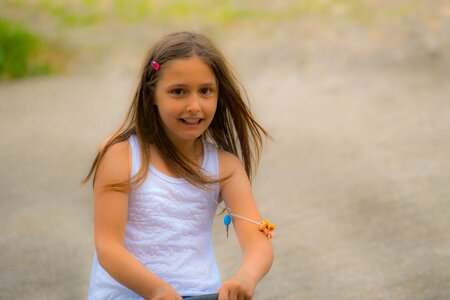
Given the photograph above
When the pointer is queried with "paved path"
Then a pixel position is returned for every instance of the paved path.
(357, 182)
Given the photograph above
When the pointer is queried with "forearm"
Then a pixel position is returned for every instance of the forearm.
(127, 270)
(257, 261)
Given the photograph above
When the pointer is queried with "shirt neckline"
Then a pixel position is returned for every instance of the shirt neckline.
(182, 180)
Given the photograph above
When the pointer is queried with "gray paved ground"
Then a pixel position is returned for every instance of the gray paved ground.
(357, 180)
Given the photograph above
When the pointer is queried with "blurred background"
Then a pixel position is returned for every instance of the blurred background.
(355, 93)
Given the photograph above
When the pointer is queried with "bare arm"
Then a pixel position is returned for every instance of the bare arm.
(110, 218)
(256, 247)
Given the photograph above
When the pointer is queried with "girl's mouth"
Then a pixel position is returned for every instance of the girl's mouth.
(191, 121)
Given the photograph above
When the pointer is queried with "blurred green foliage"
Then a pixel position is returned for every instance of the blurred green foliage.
(91, 12)
(62, 12)
(19, 52)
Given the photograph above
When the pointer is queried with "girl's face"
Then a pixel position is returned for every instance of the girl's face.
(186, 96)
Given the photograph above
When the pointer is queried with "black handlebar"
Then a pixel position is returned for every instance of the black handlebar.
(204, 297)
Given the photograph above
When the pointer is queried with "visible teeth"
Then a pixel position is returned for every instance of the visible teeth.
(192, 121)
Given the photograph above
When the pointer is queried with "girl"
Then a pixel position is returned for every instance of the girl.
(158, 180)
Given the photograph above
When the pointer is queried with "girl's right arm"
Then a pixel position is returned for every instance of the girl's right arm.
(110, 218)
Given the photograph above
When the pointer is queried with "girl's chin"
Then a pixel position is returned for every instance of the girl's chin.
(185, 138)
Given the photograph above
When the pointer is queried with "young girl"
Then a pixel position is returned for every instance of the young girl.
(159, 179)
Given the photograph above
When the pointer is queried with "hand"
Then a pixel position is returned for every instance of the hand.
(237, 288)
(165, 292)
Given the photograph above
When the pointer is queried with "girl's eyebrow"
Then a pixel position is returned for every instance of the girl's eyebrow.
(177, 85)
(208, 84)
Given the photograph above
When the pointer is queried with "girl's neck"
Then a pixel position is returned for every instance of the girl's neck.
(192, 149)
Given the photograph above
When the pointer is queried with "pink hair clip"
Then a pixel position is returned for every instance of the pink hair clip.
(155, 65)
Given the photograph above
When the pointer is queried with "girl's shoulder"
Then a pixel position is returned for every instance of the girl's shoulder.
(117, 156)
(228, 163)
(118, 148)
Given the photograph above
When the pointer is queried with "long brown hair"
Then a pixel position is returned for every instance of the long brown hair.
(232, 129)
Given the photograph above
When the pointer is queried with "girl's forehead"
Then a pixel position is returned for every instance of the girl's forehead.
(191, 69)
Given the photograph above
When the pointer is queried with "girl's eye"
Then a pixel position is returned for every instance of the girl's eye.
(178, 92)
(206, 91)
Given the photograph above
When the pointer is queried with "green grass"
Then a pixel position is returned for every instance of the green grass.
(65, 14)
(90, 12)
(212, 12)
(23, 54)
(140, 9)
(20, 52)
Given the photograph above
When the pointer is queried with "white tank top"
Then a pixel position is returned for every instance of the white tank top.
(169, 231)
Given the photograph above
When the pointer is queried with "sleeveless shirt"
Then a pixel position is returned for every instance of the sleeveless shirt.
(168, 230)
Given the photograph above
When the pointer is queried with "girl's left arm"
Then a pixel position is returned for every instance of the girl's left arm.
(256, 247)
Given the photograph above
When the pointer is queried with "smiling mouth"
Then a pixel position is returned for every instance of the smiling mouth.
(191, 121)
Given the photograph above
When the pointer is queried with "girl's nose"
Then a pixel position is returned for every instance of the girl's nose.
(193, 106)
